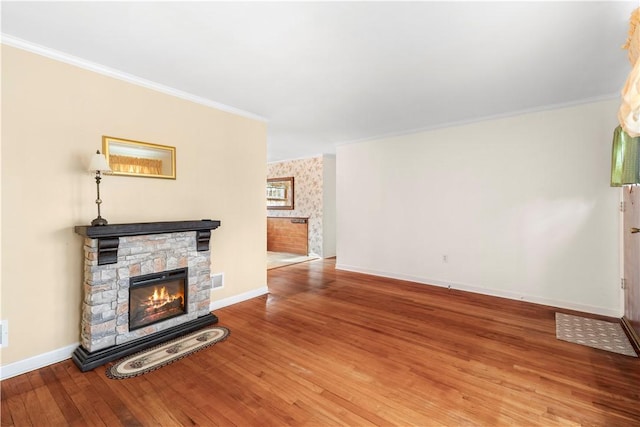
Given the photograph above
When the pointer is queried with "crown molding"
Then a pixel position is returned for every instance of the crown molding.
(294, 159)
(515, 113)
(121, 75)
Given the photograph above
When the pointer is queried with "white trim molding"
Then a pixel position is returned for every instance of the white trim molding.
(486, 291)
(36, 362)
(515, 113)
(225, 302)
(121, 75)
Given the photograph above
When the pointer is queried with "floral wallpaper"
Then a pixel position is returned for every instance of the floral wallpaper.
(307, 192)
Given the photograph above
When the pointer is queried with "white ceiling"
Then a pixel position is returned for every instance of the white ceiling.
(326, 73)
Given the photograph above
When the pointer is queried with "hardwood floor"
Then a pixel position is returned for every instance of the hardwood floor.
(328, 348)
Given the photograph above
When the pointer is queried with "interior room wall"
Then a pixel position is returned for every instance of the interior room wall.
(53, 117)
(328, 206)
(308, 195)
(518, 207)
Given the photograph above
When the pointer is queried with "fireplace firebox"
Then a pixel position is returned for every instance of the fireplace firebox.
(156, 297)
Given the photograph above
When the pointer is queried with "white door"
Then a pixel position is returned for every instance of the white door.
(631, 224)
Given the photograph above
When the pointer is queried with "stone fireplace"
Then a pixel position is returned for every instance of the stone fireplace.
(144, 283)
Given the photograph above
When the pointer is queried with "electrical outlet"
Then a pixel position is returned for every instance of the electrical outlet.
(4, 333)
(445, 258)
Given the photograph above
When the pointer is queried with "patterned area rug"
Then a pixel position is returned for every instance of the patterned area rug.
(593, 333)
(169, 352)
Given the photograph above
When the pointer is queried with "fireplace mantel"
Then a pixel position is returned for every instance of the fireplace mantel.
(108, 235)
(142, 228)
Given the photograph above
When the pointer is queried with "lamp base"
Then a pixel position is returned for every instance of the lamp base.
(99, 221)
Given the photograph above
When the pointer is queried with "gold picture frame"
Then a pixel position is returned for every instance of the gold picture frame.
(280, 193)
(136, 158)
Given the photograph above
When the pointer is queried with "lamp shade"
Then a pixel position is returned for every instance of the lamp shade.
(625, 159)
(99, 163)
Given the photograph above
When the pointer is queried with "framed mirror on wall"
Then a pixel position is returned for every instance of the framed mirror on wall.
(135, 158)
(280, 193)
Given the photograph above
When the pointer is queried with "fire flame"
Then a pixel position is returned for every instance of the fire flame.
(160, 297)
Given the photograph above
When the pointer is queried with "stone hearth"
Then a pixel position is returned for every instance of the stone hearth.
(115, 253)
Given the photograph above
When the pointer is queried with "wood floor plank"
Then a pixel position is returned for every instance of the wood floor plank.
(85, 400)
(329, 347)
(113, 399)
(63, 402)
(14, 411)
(51, 413)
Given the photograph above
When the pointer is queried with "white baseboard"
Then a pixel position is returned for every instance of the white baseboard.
(64, 353)
(37, 362)
(487, 291)
(214, 305)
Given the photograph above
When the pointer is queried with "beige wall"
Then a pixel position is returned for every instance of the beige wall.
(53, 117)
(328, 206)
(520, 206)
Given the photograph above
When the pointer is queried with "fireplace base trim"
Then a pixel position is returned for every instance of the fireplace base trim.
(87, 361)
